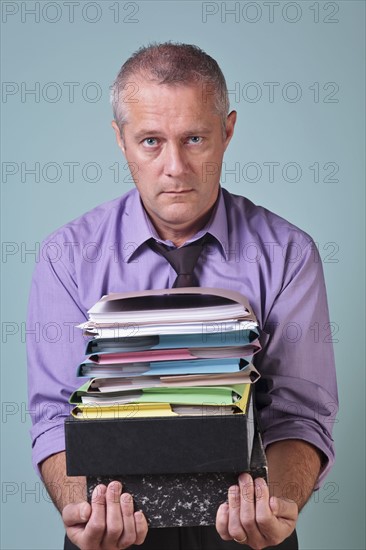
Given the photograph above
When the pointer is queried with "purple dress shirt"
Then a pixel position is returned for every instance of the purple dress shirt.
(255, 252)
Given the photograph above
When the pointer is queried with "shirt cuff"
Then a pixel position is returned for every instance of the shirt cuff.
(48, 443)
(310, 434)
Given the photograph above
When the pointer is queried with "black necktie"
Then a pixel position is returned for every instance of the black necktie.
(183, 260)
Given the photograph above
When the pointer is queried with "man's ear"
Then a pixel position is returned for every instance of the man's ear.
(230, 124)
(119, 138)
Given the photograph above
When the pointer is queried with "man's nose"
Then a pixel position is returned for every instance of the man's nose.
(174, 160)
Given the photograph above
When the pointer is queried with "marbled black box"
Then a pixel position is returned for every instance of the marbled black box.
(178, 469)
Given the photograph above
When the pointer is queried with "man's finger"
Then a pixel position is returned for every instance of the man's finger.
(114, 523)
(95, 528)
(247, 505)
(236, 529)
(266, 522)
(222, 521)
(141, 527)
(129, 529)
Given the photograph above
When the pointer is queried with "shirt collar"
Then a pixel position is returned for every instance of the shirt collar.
(217, 226)
(139, 228)
(136, 227)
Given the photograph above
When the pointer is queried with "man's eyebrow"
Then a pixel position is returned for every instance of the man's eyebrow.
(197, 131)
(147, 132)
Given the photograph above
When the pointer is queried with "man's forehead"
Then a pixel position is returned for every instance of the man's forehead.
(138, 90)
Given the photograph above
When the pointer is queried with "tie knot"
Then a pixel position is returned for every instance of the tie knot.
(183, 259)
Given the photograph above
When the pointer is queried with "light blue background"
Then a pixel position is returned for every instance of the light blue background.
(305, 132)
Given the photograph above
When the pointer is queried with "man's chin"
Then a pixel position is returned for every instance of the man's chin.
(176, 198)
(178, 219)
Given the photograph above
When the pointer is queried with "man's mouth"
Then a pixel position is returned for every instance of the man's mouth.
(178, 191)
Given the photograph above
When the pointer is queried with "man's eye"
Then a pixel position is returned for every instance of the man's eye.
(195, 139)
(150, 142)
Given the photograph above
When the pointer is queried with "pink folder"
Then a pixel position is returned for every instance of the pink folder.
(174, 354)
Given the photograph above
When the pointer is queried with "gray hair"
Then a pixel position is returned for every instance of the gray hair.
(173, 64)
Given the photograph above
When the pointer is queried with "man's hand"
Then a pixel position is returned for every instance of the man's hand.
(109, 523)
(254, 518)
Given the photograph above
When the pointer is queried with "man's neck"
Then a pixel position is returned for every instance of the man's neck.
(180, 235)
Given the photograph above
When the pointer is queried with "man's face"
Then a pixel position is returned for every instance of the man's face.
(173, 140)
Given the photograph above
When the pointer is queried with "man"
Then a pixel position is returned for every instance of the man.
(173, 125)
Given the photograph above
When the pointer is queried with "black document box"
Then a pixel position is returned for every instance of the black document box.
(178, 469)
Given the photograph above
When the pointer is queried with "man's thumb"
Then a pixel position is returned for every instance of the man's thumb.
(73, 514)
(85, 510)
(274, 504)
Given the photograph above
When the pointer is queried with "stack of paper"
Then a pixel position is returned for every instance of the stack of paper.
(167, 353)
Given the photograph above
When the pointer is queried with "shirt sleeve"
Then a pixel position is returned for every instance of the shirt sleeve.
(297, 393)
(54, 348)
